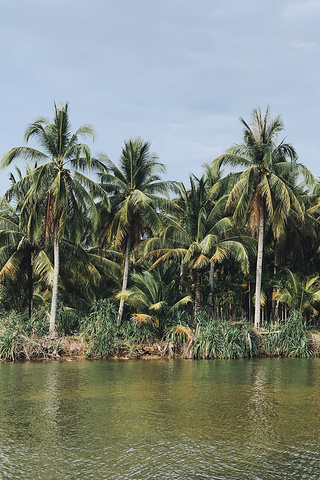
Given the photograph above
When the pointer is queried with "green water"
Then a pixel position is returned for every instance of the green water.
(245, 419)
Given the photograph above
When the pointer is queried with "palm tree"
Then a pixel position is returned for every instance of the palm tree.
(136, 200)
(302, 295)
(265, 189)
(154, 298)
(20, 235)
(15, 250)
(58, 181)
(201, 236)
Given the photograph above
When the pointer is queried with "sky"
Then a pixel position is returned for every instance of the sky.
(178, 73)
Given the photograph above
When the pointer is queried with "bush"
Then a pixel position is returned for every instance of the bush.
(100, 329)
(68, 320)
(288, 338)
(18, 334)
(224, 340)
(132, 332)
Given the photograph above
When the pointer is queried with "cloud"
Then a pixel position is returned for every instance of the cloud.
(301, 9)
(304, 45)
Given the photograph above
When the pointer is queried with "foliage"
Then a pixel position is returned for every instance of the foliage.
(136, 196)
(302, 295)
(224, 340)
(68, 320)
(72, 242)
(132, 332)
(266, 188)
(57, 187)
(19, 334)
(153, 298)
(100, 329)
(288, 338)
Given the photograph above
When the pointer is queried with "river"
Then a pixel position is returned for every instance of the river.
(242, 419)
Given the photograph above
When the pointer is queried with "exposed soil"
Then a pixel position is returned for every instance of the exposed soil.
(75, 348)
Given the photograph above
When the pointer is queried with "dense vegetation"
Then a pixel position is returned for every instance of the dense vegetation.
(226, 266)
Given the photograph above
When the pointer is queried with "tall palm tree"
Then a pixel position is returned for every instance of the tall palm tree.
(137, 197)
(58, 181)
(265, 188)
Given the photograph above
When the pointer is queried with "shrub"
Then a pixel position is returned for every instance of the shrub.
(224, 340)
(288, 338)
(100, 329)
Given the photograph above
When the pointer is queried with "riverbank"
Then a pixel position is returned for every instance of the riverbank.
(78, 348)
(102, 338)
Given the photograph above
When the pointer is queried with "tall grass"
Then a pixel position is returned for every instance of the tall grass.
(224, 340)
(19, 335)
(288, 338)
(100, 329)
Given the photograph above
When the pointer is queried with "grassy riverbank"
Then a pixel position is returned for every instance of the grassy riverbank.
(98, 336)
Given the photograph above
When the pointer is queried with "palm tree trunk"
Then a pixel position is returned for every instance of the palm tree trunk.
(211, 284)
(182, 272)
(30, 282)
(257, 310)
(125, 278)
(197, 295)
(210, 296)
(275, 312)
(249, 303)
(56, 265)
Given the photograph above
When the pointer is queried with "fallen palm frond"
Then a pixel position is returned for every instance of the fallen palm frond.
(315, 342)
(141, 318)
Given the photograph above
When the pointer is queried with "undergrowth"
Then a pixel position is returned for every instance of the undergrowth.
(288, 338)
(21, 337)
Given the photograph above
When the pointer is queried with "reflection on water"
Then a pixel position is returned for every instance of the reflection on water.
(244, 419)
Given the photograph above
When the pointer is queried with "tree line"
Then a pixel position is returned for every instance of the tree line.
(240, 242)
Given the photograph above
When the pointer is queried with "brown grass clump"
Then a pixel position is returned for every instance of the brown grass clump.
(315, 342)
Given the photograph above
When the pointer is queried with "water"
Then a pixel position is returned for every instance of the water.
(244, 419)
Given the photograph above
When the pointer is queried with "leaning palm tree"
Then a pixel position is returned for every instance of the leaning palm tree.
(58, 181)
(265, 188)
(137, 195)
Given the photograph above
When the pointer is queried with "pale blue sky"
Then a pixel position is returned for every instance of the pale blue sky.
(178, 73)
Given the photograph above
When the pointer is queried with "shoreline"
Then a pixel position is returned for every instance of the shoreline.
(38, 349)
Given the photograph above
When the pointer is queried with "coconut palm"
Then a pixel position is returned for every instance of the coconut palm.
(265, 189)
(58, 181)
(153, 298)
(301, 295)
(20, 236)
(201, 236)
(137, 195)
(15, 251)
